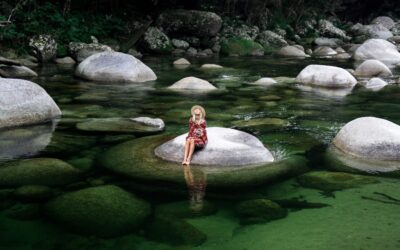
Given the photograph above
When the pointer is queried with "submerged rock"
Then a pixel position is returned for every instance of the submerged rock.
(259, 211)
(33, 193)
(377, 49)
(192, 83)
(190, 22)
(333, 181)
(38, 171)
(225, 147)
(105, 211)
(372, 68)
(114, 67)
(326, 76)
(24, 102)
(370, 138)
(141, 125)
(174, 231)
(211, 66)
(136, 159)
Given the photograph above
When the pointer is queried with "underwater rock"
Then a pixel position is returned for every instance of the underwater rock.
(104, 211)
(181, 61)
(375, 84)
(23, 211)
(16, 71)
(40, 171)
(264, 124)
(291, 51)
(265, 81)
(333, 181)
(225, 147)
(65, 60)
(370, 138)
(174, 231)
(114, 67)
(235, 46)
(259, 211)
(377, 49)
(326, 76)
(122, 125)
(183, 209)
(190, 22)
(33, 193)
(192, 83)
(24, 102)
(372, 67)
(136, 159)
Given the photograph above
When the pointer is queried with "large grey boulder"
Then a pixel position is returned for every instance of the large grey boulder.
(326, 76)
(377, 49)
(23, 102)
(225, 147)
(114, 67)
(374, 31)
(385, 21)
(370, 138)
(192, 83)
(291, 51)
(104, 211)
(372, 68)
(190, 22)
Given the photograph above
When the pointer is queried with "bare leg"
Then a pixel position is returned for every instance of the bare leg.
(191, 150)
(187, 146)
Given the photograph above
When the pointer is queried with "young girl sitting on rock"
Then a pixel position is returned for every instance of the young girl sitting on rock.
(197, 137)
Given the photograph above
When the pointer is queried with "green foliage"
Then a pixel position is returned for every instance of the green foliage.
(49, 19)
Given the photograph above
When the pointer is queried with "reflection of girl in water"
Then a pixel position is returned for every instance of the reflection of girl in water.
(196, 183)
(197, 136)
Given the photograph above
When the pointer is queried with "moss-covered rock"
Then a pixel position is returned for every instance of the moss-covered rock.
(33, 193)
(40, 171)
(136, 159)
(182, 209)
(332, 181)
(259, 211)
(105, 211)
(241, 47)
(23, 211)
(174, 231)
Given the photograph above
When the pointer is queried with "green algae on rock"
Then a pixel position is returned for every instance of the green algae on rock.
(259, 211)
(174, 231)
(332, 181)
(104, 211)
(136, 159)
(40, 171)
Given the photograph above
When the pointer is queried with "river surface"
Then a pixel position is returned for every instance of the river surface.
(306, 121)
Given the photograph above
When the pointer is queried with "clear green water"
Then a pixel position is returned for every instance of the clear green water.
(309, 122)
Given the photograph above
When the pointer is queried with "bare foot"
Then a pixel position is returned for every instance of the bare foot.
(184, 162)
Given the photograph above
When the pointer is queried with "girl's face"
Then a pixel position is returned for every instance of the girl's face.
(197, 113)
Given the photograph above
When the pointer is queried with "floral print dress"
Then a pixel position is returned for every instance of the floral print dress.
(198, 132)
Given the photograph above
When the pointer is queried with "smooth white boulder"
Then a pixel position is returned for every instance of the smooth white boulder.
(377, 49)
(326, 76)
(24, 102)
(192, 83)
(265, 81)
(225, 147)
(324, 51)
(181, 61)
(370, 138)
(291, 51)
(375, 84)
(112, 66)
(372, 67)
